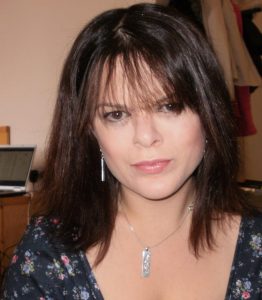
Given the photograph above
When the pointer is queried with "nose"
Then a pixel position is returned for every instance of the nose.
(146, 131)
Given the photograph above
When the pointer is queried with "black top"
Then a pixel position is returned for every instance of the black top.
(43, 269)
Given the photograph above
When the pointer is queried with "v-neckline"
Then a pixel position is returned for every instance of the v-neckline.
(98, 293)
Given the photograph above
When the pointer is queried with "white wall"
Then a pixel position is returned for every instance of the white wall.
(35, 37)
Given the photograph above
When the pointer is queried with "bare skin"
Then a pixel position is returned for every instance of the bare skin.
(153, 156)
(175, 274)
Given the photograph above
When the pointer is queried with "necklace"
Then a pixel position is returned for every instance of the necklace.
(146, 252)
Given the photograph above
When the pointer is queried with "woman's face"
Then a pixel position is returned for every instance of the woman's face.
(152, 153)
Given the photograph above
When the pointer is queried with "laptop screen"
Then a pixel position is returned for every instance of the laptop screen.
(15, 163)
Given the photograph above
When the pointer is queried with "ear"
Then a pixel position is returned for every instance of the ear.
(91, 131)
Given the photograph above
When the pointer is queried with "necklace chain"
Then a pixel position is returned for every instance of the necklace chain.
(146, 252)
(131, 228)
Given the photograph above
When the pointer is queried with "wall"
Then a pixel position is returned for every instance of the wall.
(252, 145)
(35, 38)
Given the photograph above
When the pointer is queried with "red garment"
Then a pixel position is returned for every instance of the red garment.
(244, 113)
(242, 94)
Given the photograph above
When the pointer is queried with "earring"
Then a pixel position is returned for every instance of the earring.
(102, 167)
(206, 143)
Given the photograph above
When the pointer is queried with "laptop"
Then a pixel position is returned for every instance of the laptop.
(15, 166)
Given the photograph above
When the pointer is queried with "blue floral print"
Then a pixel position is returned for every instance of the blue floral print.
(246, 274)
(42, 269)
(256, 244)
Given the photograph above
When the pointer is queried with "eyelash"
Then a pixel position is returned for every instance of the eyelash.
(118, 115)
(170, 107)
(113, 116)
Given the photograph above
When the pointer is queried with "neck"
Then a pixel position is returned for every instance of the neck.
(154, 219)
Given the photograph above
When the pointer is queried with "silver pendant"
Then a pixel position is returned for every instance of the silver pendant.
(146, 262)
(102, 167)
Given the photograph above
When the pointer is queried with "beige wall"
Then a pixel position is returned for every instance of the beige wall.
(35, 37)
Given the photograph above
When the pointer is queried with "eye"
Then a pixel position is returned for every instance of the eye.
(171, 107)
(115, 116)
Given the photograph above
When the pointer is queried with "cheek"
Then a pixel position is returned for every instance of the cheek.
(114, 152)
(197, 148)
(198, 139)
(190, 136)
(115, 160)
(192, 145)
(113, 146)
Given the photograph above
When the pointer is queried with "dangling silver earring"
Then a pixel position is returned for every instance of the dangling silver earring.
(205, 146)
(102, 167)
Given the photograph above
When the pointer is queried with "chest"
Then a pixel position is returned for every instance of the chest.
(175, 273)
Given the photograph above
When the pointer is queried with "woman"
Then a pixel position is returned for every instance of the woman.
(140, 192)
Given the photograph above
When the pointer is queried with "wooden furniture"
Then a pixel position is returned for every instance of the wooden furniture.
(4, 135)
(14, 216)
(256, 199)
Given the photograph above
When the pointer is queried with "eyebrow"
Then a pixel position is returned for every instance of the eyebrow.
(117, 106)
(163, 99)
(122, 107)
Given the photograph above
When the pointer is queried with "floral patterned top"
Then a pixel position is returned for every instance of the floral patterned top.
(42, 269)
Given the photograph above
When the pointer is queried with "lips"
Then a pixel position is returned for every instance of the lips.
(153, 166)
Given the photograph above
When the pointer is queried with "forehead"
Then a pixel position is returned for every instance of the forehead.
(132, 83)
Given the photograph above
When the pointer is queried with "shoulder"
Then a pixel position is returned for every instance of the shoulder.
(254, 221)
(40, 233)
(250, 235)
(41, 266)
(249, 246)
(246, 275)
(39, 238)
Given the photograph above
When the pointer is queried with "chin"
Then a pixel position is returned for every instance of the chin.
(166, 190)
(159, 194)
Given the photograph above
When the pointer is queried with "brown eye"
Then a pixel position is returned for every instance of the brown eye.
(171, 107)
(115, 116)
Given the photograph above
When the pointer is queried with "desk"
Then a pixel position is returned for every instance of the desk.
(256, 198)
(14, 216)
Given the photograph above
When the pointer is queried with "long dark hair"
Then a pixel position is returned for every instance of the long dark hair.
(180, 58)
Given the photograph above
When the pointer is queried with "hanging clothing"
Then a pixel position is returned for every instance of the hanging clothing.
(221, 27)
(252, 37)
(249, 4)
(242, 93)
(243, 110)
(191, 9)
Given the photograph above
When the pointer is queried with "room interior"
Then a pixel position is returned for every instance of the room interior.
(35, 38)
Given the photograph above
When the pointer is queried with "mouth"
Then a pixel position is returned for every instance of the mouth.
(152, 166)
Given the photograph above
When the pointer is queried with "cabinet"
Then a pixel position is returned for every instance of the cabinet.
(4, 135)
(14, 216)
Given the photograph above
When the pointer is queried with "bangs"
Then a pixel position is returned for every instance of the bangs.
(136, 61)
(129, 81)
